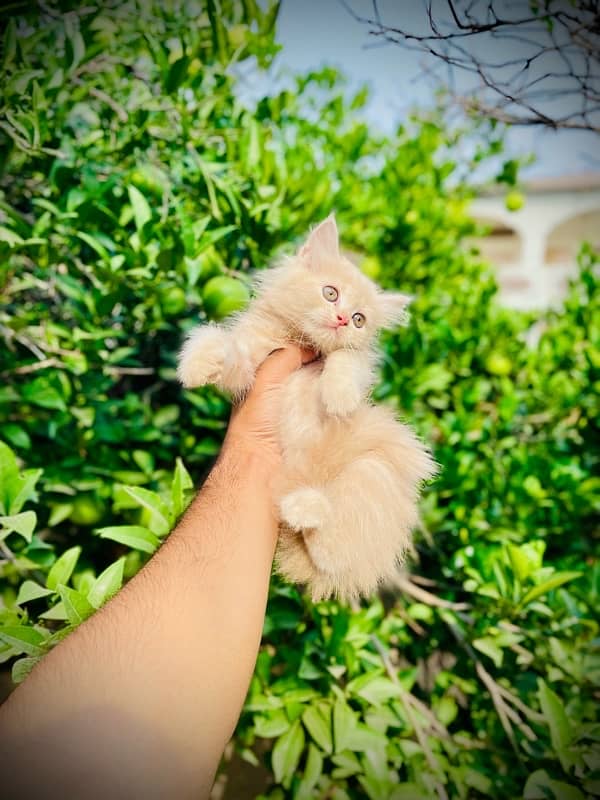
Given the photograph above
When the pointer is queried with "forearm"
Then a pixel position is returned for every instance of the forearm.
(145, 694)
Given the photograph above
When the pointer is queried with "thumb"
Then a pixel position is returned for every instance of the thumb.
(281, 363)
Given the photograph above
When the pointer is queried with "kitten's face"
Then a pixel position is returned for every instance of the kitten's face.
(330, 302)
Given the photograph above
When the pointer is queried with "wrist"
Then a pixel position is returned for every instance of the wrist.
(249, 460)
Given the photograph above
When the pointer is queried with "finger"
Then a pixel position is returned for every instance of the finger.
(281, 363)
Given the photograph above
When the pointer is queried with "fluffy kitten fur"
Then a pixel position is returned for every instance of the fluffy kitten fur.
(348, 492)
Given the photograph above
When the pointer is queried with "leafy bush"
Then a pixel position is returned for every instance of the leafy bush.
(131, 176)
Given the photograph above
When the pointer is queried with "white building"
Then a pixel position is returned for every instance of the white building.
(535, 249)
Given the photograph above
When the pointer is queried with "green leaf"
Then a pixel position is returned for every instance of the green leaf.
(134, 536)
(23, 639)
(57, 612)
(347, 763)
(540, 786)
(16, 435)
(22, 667)
(553, 582)
(30, 590)
(15, 488)
(177, 73)
(8, 236)
(345, 726)
(374, 689)
(408, 791)
(566, 791)
(74, 43)
(76, 604)
(317, 721)
(286, 753)
(554, 713)
(9, 48)
(94, 244)
(62, 569)
(312, 773)
(22, 488)
(537, 786)
(525, 559)
(106, 584)
(141, 209)
(272, 724)
(160, 518)
(23, 524)
(40, 393)
(488, 646)
(446, 710)
(181, 484)
(364, 739)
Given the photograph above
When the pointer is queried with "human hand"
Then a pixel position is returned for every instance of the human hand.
(254, 423)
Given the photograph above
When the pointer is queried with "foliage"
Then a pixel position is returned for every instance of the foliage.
(132, 176)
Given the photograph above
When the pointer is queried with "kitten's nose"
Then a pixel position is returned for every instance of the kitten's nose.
(342, 319)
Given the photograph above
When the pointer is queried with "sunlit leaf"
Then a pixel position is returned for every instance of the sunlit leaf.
(134, 536)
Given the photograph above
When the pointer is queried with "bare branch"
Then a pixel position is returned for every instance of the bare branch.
(525, 65)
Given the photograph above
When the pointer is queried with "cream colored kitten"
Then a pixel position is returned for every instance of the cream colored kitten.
(348, 492)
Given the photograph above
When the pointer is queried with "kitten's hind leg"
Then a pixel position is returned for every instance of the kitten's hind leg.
(305, 508)
(309, 511)
(355, 528)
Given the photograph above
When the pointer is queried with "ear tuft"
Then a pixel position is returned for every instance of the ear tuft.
(394, 306)
(323, 243)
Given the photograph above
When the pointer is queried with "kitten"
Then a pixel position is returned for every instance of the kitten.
(348, 492)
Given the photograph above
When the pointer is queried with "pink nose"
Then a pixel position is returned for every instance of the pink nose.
(342, 319)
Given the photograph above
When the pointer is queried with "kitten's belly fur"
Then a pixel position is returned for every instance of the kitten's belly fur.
(314, 445)
(317, 446)
(358, 476)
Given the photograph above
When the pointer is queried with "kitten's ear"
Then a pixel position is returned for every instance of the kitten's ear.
(394, 306)
(323, 243)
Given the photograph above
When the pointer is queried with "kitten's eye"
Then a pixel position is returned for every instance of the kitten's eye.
(358, 319)
(330, 293)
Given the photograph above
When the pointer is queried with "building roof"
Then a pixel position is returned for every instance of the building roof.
(564, 183)
(584, 182)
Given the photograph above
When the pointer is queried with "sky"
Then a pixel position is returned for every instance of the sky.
(315, 33)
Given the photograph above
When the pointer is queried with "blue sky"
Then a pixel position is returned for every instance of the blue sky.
(315, 33)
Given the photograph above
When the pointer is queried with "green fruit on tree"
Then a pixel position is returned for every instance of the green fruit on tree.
(514, 201)
(224, 295)
(498, 364)
(371, 266)
(212, 263)
(173, 301)
(87, 510)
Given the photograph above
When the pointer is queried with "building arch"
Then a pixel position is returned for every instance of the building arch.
(502, 245)
(564, 240)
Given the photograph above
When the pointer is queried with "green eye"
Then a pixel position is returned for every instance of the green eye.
(358, 319)
(330, 293)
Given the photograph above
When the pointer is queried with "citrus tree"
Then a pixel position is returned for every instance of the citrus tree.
(137, 195)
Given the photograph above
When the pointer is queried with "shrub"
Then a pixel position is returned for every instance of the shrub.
(132, 175)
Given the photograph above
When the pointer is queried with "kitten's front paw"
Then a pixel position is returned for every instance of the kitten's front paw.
(305, 509)
(198, 370)
(238, 372)
(201, 358)
(340, 397)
